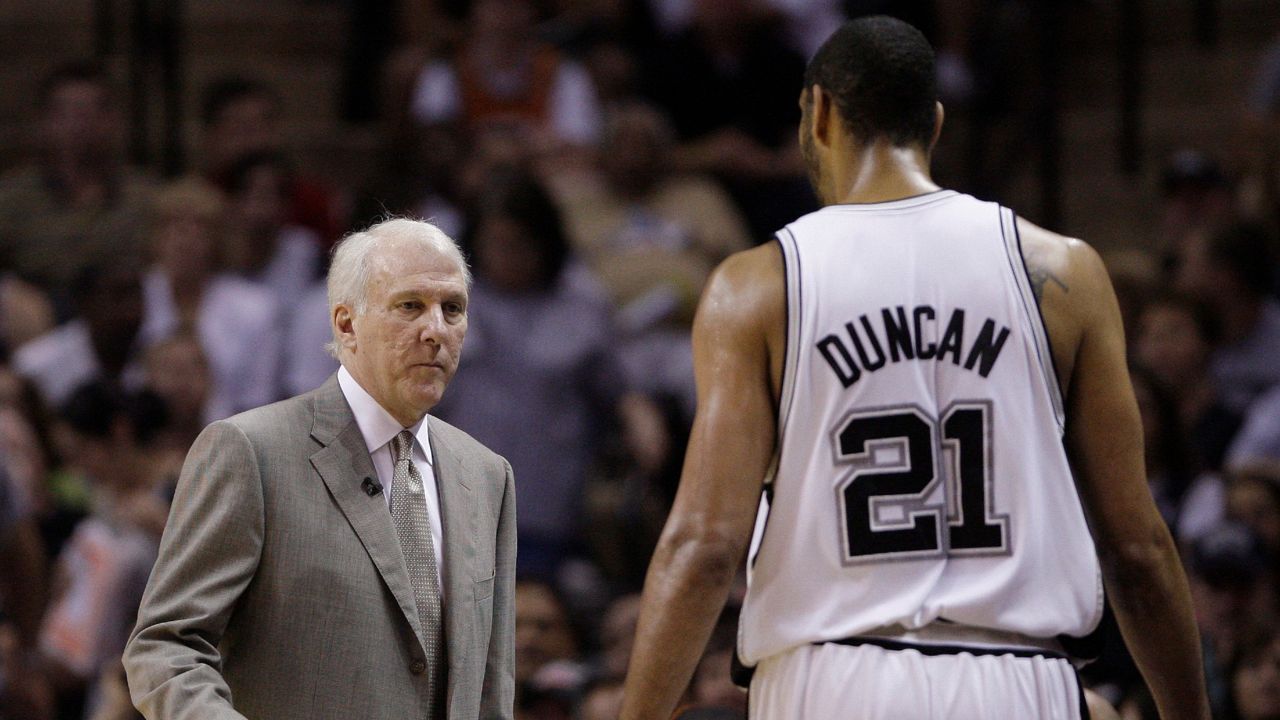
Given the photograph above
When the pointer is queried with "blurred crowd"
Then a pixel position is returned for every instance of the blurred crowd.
(596, 159)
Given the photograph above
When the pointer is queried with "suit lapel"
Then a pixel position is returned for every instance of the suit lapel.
(343, 463)
(457, 515)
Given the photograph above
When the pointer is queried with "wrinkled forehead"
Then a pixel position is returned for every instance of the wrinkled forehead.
(396, 259)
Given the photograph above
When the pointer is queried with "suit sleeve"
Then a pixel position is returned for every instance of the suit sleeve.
(497, 701)
(208, 555)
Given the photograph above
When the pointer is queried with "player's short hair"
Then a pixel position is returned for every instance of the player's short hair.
(880, 73)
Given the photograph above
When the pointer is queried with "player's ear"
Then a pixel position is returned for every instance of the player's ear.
(821, 107)
(938, 116)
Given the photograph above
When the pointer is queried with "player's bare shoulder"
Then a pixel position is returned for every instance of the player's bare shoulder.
(745, 303)
(1070, 283)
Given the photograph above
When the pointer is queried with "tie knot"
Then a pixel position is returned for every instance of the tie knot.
(404, 446)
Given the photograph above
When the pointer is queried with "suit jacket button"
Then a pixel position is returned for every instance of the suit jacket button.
(418, 667)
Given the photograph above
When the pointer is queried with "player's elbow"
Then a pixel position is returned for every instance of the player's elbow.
(702, 551)
(1138, 558)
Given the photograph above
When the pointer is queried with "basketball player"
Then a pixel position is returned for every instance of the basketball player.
(908, 377)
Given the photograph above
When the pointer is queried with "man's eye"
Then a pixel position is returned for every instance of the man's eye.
(410, 305)
(453, 308)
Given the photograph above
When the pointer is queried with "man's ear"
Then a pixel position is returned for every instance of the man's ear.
(344, 331)
(822, 108)
(938, 117)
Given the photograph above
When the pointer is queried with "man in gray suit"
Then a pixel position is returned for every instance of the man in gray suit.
(341, 554)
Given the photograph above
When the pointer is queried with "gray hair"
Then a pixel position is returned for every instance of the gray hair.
(350, 269)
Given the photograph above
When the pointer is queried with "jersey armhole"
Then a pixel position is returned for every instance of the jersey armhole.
(790, 369)
(741, 673)
(1034, 314)
(791, 336)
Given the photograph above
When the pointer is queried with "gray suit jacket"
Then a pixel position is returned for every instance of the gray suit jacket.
(280, 591)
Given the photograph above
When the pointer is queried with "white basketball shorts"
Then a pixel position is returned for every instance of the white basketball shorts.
(893, 681)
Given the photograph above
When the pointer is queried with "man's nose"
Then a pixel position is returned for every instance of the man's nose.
(432, 324)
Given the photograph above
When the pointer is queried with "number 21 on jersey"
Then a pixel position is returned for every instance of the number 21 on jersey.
(889, 501)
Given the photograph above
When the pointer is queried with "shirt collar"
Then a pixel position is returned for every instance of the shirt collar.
(376, 424)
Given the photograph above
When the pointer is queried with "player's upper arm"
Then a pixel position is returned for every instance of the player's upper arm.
(1104, 427)
(735, 334)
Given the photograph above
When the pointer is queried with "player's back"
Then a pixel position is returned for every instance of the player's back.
(921, 478)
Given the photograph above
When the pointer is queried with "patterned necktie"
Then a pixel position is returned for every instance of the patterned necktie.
(409, 513)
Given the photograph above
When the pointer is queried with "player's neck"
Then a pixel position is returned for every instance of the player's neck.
(882, 172)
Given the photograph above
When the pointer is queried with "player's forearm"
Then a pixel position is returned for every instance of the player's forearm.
(684, 593)
(1152, 604)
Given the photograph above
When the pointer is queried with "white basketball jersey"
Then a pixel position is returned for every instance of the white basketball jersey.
(921, 474)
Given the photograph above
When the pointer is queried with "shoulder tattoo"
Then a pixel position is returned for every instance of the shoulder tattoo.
(1040, 276)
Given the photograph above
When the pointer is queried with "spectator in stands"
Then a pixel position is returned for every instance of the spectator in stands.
(22, 568)
(1195, 196)
(1176, 336)
(265, 247)
(1135, 275)
(26, 448)
(505, 79)
(538, 382)
(643, 229)
(26, 312)
(730, 83)
(417, 175)
(102, 570)
(617, 636)
(24, 690)
(548, 651)
(652, 238)
(101, 342)
(1255, 674)
(1171, 469)
(1259, 435)
(241, 117)
(1253, 500)
(1233, 271)
(178, 372)
(306, 362)
(1258, 152)
(186, 290)
(1229, 575)
(76, 205)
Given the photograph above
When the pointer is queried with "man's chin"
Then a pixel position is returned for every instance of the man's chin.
(427, 397)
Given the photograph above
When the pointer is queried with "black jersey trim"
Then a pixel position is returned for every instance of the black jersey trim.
(1026, 293)
(1048, 341)
(907, 199)
(944, 649)
(740, 673)
(1088, 647)
(1084, 703)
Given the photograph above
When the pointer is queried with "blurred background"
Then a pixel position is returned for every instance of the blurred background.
(173, 174)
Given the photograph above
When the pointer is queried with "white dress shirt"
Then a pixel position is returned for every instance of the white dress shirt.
(379, 428)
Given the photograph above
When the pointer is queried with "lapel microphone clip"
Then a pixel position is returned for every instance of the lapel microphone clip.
(371, 487)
